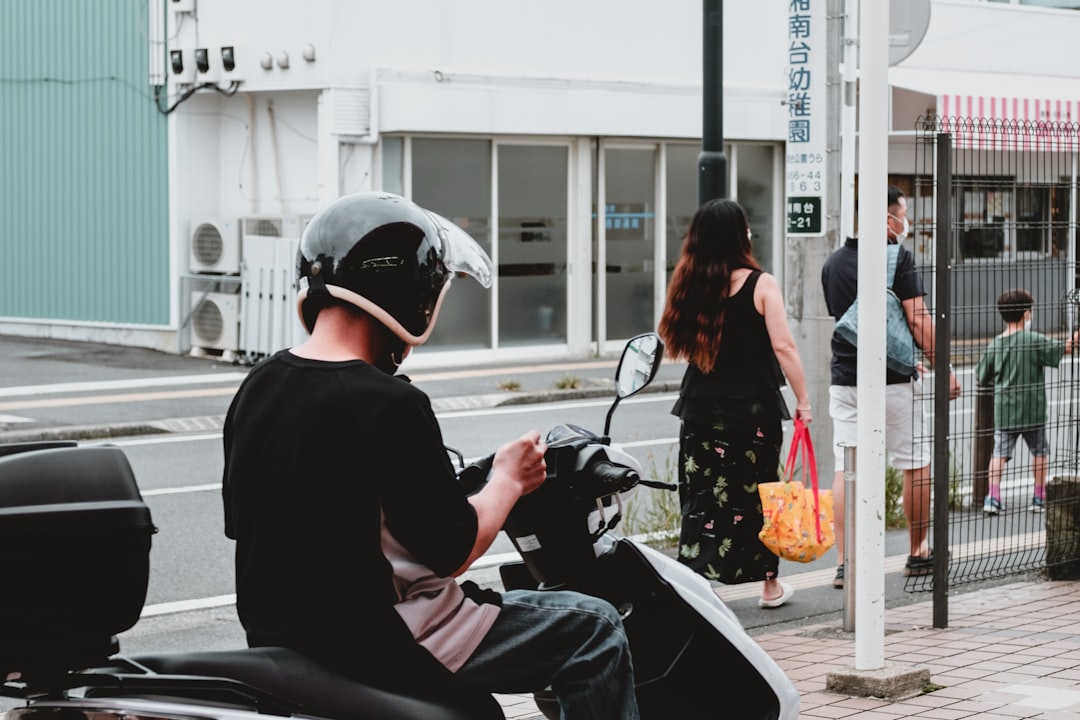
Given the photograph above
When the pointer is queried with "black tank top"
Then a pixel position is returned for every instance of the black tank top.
(746, 366)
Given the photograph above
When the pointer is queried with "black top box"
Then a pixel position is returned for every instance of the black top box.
(75, 538)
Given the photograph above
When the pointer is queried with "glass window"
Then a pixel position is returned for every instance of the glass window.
(682, 196)
(756, 193)
(532, 243)
(630, 231)
(1062, 4)
(984, 208)
(919, 191)
(1059, 219)
(393, 165)
(1032, 221)
(453, 178)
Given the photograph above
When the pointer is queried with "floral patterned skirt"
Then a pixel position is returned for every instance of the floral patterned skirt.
(721, 462)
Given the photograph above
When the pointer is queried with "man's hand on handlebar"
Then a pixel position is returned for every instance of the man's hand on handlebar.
(522, 460)
(518, 469)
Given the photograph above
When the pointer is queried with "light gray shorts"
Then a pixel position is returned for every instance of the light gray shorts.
(905, 437)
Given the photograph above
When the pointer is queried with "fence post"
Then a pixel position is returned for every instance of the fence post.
(848, 550)
(943, 254)
(983, 446)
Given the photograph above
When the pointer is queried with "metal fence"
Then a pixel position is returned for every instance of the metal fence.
(1002, 196)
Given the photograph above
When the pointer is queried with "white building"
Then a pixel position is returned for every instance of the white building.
(563, 135)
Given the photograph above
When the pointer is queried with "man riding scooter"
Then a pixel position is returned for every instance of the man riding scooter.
(348, 519)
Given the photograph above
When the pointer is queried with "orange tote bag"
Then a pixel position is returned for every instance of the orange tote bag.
(798, 521)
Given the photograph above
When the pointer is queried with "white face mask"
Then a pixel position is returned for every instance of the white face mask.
(900, 236)
(1027, 323)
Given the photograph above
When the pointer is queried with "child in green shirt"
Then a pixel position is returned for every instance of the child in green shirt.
(1013, 363)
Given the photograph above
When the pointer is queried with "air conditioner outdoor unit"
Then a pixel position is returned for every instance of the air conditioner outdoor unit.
(271, 226)
(215, 321)
(215, 246)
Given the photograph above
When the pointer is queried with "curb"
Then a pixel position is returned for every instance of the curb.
(580, 394)
(175, 425)
(81, 432)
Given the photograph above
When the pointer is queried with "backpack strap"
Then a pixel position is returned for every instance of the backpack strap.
(890, 271)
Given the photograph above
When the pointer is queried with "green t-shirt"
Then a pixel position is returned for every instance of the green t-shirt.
(1013, 364)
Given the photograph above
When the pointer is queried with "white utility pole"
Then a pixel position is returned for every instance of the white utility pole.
(870, 393)
(849, 95)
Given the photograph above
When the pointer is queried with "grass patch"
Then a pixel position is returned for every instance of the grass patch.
(655, 513)
(894, 493)
(568, 382)
(509, 385)
(894, 499)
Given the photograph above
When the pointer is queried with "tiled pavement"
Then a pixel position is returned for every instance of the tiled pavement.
(1012, 651)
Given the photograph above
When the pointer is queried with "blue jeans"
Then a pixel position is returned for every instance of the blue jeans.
(572, 642)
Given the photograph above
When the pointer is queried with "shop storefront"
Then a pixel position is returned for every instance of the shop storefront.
(585, 232)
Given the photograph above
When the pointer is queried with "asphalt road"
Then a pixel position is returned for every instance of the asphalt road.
(192, 560)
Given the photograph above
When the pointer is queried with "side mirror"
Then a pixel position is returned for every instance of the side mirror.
(637, 367)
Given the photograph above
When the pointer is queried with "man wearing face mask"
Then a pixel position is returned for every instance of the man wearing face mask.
(1014, 365)
(903, 420)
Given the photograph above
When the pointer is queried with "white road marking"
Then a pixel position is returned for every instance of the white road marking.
(187, 605)
(649, 443)
(555, 406)
(130, 384)
(158, 440)
(53, 402)
(181, 490)
(236, 377)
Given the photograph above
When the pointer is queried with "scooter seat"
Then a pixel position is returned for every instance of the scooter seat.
(316, 691)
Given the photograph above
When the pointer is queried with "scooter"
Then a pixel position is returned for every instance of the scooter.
(76, 536)
(692, 657)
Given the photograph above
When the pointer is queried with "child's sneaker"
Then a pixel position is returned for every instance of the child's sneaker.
(992, 506)
(1038, 505)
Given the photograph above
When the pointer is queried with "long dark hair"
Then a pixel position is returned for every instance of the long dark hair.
(716, 244)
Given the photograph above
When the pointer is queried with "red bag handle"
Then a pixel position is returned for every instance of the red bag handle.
(800, 440)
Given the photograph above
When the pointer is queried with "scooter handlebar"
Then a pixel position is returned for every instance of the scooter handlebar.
(474, 476)
(612, 477)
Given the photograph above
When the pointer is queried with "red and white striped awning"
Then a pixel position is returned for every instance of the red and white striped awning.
(1029, 109)
(1000, 109)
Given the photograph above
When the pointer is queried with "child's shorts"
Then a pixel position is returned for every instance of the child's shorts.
(1034, 438)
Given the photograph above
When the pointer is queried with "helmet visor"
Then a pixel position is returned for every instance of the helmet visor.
(462, 254)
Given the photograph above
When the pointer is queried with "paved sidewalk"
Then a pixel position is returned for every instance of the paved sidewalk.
(1009, 652)
(1012, 651)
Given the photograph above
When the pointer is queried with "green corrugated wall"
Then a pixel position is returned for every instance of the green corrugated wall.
(83, 165)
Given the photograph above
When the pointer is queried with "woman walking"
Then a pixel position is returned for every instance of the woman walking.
(726, 317)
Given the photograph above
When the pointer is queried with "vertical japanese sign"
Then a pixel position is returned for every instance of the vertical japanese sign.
(806, 122)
